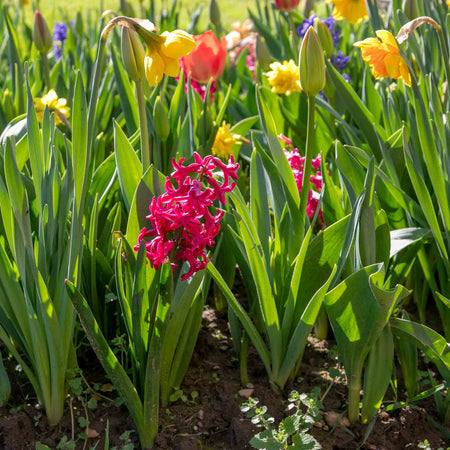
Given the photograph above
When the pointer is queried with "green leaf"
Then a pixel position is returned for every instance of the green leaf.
(243, 317)
(428, 340)
(129, 167)
(365, 119)
(377, 374)
(400, 239)
(127, 97)
(80, 150)
(108, 360)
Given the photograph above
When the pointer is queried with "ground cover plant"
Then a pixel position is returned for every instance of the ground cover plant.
(288, 174)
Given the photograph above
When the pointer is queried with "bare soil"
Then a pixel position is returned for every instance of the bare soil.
(211, 417)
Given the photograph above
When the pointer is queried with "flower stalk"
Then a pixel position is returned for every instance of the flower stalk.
(146, 155)
(307, 166)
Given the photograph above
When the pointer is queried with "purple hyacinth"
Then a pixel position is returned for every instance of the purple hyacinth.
(59, 36)
(60, 32)
(329, 22)
(339, 60)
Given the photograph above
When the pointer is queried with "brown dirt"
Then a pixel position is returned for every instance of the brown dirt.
(213, 419)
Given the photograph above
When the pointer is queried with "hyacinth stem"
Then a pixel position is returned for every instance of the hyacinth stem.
(146, 157)
(294, 36)
(307, 166)
(46, 70)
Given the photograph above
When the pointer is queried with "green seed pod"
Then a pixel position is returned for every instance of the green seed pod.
(262, 53)
(311, 64)
(161, 120)
(325, 37)
(42, 37)
(377, 373)
(133, 54)
(410, 9)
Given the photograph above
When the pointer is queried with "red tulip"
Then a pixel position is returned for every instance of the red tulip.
(208, 58)
(287, 5)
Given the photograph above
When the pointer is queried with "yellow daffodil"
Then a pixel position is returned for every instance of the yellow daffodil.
(162, 55)
(284, 78)
(351, 10)
(383, 55)
(54, 104)
(225, 141)
(448, 3)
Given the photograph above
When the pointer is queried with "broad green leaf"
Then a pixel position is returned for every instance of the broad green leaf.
(404, 237)
(377, 373)
(129, 167)
(428, 340)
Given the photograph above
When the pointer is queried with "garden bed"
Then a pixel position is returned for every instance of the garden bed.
(208, 415)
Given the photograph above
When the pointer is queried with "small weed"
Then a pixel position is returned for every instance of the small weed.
(293, 431)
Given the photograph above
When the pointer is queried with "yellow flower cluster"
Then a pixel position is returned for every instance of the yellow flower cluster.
(351, 10)
(383, 55)
(162, 55)
(284, 78)
(54, 104)
(225, 141)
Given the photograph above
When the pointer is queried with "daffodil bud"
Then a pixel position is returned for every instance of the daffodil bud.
(161, 120)
(325, 37)
(410, 9)
(42, 37)
(133, 54)
(262, 53)
(311, 64)
(214, 13)
(177, 43)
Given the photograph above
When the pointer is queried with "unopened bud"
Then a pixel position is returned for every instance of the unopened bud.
(79, 23)
(262, 53)
(311, 64)
(410, 9)
(287, 5)
(42, 37)
(161, 120)
(133, 54)
(326, 39)
(126, 8)
(8, 105)
(214, 13)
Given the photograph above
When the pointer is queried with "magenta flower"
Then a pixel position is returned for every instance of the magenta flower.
(182, 224)
(297, 163)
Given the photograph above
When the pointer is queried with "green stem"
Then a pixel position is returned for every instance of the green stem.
(354, 387)
(307, 165)
(146, 157)
(243, 358)
(294, 36)
(444, 54)
(152, 385)
(321, 325)
(46, 70)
